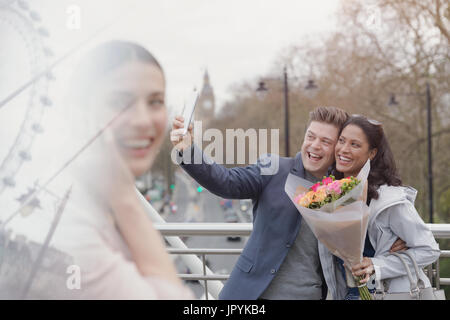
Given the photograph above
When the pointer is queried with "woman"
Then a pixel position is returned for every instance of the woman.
(120, 88)
(392, 211)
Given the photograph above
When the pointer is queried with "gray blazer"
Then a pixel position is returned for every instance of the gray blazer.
(276, 221)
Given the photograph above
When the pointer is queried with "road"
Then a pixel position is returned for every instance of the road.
(202, 207)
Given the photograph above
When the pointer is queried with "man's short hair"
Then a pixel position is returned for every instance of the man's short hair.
(330, 115)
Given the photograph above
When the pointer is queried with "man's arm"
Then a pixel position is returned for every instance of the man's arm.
(237, 183)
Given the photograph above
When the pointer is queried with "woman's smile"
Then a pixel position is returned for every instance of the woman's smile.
(137, 147)
(343, 160)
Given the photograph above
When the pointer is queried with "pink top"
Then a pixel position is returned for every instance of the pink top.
(106, 270)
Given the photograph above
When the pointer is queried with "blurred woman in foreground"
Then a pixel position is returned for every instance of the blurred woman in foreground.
(119, 87)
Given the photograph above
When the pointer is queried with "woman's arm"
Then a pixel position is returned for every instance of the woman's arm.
(405, 223)
(144, 241)
(107, 272)
(112, 187)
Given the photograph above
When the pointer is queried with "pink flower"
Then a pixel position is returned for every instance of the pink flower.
(335, 187)
(299, 197)
(327, 180)
(315, 187)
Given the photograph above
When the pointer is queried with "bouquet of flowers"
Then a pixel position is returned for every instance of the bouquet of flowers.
(326, 191)
(337, 214)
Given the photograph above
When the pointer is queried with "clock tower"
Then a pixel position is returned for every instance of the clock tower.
(206, 105)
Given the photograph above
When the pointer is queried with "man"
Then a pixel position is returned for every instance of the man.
(282, 258)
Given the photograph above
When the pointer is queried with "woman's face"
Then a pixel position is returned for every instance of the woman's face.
(352, 150)
(139, 130)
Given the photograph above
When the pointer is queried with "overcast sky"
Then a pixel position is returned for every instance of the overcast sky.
(233, 39)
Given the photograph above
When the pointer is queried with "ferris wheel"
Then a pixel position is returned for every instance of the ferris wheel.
(24, 40)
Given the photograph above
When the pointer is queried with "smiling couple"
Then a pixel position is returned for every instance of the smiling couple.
(282, 259)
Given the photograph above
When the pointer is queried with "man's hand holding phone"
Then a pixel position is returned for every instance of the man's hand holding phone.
(181, 134)
(180, 141)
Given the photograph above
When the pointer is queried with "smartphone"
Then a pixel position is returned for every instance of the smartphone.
(188, 110)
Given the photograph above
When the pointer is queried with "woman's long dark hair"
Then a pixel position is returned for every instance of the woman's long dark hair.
(382, 168)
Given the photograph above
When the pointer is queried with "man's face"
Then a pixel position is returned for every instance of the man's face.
(318, 147)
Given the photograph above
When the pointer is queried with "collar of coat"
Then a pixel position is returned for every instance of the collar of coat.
(389, 196)
(297, 167)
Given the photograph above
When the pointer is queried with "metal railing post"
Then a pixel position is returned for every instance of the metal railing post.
(204, 273)
(193, 263)
(430, 273)
(438, 277)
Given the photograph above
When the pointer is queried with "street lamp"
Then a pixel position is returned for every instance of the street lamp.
(394, 102)
(261, 93)
(311, 85)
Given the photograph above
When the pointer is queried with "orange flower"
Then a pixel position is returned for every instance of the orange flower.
(306, 199)
(319, 196)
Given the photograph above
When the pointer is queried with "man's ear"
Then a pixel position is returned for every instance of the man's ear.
(373, 153)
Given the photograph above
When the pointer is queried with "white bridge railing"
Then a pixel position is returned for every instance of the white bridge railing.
(211, 281)
(440, 231)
